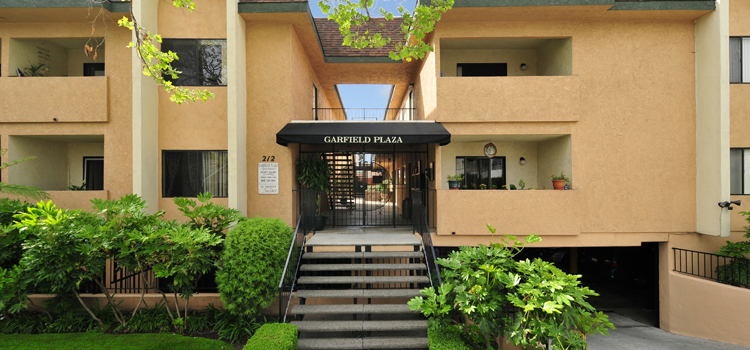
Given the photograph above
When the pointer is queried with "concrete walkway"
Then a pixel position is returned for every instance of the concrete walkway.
(632, 335)
(357, 235)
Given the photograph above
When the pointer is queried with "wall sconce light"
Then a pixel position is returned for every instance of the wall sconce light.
(522, 161)
(524, 66)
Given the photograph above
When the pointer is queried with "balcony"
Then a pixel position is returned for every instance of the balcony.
(544, 213)
(363, 114)
(508, 99)
(54, 99)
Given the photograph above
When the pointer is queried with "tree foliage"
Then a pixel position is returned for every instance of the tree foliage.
(531, 302)
(356, 24)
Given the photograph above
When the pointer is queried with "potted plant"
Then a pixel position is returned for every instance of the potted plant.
(494, 187)
(558, 181)
(314, 174)
(512, 187)
(521, 184)
(384, 190)
(454, 181)
(505, 187)
(483, 186)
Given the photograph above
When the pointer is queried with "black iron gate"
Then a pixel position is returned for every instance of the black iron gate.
(373, 187)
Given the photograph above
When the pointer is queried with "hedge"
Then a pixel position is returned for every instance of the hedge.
(253, 257)
(277, 336)
(446, 338)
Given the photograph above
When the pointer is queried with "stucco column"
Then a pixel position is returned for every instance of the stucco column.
(712, 120)
(145, 116)
(236, 108)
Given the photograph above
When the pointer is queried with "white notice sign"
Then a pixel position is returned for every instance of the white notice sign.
(268, 178)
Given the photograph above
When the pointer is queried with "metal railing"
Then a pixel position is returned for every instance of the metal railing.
(363, 114)
(305, 224)
(421, 225)
(289, 274)
(724, 269)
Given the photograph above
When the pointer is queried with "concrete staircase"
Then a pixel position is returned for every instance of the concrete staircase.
(357, 299)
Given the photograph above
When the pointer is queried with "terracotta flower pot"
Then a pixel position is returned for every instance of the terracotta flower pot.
(558, 184)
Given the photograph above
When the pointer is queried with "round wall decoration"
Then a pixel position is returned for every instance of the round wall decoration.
(490, 150)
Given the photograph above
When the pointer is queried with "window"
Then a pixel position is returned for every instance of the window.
(203, 62)
(739, 170)
(739, 60)
(482, 70)
(315, 102)
(93, 69)
(93, 173)
(187, 173)
(481, 170)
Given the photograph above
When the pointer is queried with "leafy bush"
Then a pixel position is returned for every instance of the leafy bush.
(528, 302)
(30, 323)
(211, 216)
(254, 252)
(278, 336)
(736, 271)
(446, 337)
(10, 237)
(236, 328)
(151, 320)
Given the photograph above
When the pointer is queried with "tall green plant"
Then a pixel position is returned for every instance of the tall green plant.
(254, 254)
(211, 216)
(527, 302)
(314, 174)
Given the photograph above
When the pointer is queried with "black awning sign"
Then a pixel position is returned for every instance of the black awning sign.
(362, 139)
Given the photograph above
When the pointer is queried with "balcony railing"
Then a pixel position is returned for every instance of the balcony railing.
(363, 114)
(724, 269)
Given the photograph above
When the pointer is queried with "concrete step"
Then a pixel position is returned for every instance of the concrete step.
(351, 309)
(362, 279)
(360, 326)
(356, 267)
(366, 239)
(362, 255)
(358, 293)
(363, 343)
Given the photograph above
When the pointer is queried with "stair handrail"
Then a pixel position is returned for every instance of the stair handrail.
(428, 232)
(285, 275)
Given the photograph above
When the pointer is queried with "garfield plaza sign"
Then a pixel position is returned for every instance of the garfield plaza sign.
(352, 132)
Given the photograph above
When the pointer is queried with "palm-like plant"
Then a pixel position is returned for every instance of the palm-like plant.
(314, 173)
(20, 190)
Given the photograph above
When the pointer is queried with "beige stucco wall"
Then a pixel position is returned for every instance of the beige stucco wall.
(425, 91)
(66, 99)
(450, 58)
(554, 157)
(555, 57)
(49, 171)
(269, 108)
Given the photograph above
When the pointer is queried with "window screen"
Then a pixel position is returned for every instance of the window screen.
(203, 62)
(739, 170)
(188, 173)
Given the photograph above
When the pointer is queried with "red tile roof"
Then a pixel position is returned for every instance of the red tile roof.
(331, 38)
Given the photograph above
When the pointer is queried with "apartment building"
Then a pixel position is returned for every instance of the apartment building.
(641, 104)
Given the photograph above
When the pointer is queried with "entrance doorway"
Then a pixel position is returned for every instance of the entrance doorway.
(372, 187)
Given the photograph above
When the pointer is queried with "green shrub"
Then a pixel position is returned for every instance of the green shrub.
(254, 254)
(278, 336)
(446, 338)
(10, 237)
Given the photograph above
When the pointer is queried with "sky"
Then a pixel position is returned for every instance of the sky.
(367, 96)
(364, 96)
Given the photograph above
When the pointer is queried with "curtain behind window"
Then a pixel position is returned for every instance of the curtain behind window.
(188, 173)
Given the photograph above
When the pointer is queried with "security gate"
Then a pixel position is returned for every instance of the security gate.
(373, 188)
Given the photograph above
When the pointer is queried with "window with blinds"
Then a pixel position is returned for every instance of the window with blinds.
(188, 173)
(739, 60)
